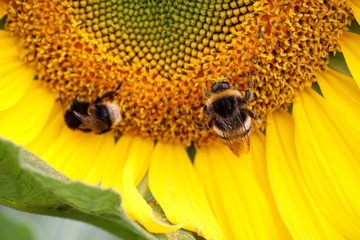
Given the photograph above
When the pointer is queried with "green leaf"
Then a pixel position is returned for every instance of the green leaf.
(2, 22)
(337, 63)
(29, 184)
(354, 27)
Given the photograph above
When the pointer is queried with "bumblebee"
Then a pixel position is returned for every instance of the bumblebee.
(97, 117)
(230, 117)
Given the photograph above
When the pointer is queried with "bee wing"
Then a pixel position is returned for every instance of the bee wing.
(238, 146)
(244, 143)
(91, 122)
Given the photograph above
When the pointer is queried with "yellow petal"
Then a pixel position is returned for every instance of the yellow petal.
(23, 122)
(255, 161)
(52, 143)
(121, 171)
(14, 84)
(175, 186)
(138, 157)
(355, 6)
(49, 134)
(114, 166)
(63, 153)
(15, 75)
(88, 148)
(339, 88)
(78, 155)
(350, 43)
(344, 95)
(299, 211)
(10, 48)
(242, 206)
(96, 171)
(24, 104)
(325, 140)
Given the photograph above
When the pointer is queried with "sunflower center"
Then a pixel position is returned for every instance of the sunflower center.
(164, 51)
(164, 34)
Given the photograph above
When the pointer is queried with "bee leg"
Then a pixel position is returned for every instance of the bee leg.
(209, 125)
(246, 99)
(119, 86)
(103, 131)
(75, 101)
(252, 114)
(248, 94)
(108, 94)
(60, 99)
(197, 123)
(205, 110)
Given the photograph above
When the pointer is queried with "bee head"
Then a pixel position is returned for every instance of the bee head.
(71, 120)
(218, 86)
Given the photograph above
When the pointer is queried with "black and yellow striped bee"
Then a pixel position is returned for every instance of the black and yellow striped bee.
(230, 116)
(97, 117)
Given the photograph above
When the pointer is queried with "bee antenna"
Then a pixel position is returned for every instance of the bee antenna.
(108, 94)
(75, 101)
(119, 86)
(60, 98)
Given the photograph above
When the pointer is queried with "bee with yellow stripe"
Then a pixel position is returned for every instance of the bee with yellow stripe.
(230, 116)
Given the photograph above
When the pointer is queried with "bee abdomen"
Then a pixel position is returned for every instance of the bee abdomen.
(233, 134)
(237, 129)
(114, 113)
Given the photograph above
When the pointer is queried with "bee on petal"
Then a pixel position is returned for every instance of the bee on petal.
(230, 116)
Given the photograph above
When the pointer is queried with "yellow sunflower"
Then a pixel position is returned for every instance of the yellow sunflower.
(301, 179)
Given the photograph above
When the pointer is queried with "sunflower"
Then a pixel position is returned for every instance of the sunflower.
(301, 178)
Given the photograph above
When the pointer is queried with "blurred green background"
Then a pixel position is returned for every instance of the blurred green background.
(16, 225)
